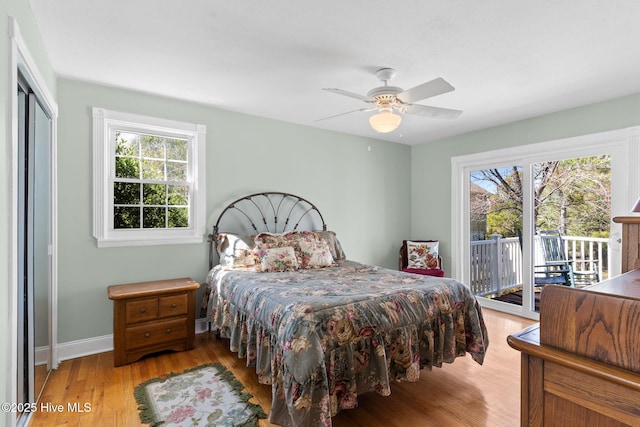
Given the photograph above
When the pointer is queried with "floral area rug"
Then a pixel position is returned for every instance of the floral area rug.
(208, 395)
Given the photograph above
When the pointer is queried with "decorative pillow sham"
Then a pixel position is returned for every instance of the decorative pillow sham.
(237, 251)
(334, 245)
(267, 240)
(422, 255)
(311, 251)
(286, 239)
(315, 254)
(278, 259)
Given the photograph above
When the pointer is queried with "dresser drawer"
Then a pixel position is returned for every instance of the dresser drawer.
(141, 310)
(173, 305)
(156, 333)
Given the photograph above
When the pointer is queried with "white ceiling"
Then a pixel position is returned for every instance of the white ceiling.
(507, 59)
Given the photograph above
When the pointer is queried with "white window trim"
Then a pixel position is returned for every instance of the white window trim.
(103, 231)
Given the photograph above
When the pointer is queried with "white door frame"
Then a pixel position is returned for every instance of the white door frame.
(21, 61)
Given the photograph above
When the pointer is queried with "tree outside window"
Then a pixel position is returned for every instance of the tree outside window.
(150, 188)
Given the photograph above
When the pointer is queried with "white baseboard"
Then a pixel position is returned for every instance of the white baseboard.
(41, 355)
(89, 346)
(86, 347)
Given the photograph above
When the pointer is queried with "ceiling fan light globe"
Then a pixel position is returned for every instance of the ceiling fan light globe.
(385, 122)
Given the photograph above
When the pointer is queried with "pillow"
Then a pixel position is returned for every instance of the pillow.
(315, 254)
(237, 251)
(278, 259)
(267, 240)
(310, 247)
(422, 255)
(334, 245)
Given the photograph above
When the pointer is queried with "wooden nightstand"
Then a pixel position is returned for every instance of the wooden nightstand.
(152, 316)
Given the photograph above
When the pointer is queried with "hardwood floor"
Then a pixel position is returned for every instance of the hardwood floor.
(461, 394)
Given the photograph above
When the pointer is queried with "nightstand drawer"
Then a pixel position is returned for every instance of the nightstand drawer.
(156, 333)
(174, 305)
(141, 310)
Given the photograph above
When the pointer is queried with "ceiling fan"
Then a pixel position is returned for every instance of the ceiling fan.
(387, 99)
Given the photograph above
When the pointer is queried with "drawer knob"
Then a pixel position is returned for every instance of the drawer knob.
(174, 305)
(147, 335)
(143, 310)
(168, 330)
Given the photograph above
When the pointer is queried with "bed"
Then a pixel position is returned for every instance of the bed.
(319, 328)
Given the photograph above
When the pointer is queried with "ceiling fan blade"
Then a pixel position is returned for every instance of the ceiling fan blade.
(349, 94)
(425, 90)
(427, 111)
(348, 112)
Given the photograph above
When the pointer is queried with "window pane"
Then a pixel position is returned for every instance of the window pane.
(152, 146)
(176, 149)
(127, 144)
(495, 203)
(176, 171)
(126, 193)
(178, 195)
(153, 169)
(154, 194)
(178, 217)
(127, 167)
(573, 199)
(153, 217)
(126, 217)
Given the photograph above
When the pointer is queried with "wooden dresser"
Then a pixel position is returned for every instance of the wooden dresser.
(152, 316)
(630, 249)
(581, 363)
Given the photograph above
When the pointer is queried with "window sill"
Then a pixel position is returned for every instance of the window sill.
(148, 241)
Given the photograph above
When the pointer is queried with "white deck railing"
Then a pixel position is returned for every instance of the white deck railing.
(496, 264)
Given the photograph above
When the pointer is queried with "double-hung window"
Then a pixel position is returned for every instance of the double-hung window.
(149, 180)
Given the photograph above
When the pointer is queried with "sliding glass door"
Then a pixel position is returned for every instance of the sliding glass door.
(495, 223)
(572, 198)
(538, 216)
(569, 207)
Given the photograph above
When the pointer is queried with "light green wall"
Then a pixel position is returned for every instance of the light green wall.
(363, 195)
(431, 162)
(19, 9)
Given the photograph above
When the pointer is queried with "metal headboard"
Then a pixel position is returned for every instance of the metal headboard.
(273, 212)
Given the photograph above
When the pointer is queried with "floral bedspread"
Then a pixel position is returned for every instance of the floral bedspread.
(321, 337)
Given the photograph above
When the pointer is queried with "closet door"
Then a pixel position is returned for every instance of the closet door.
(26, 361)
(34, 247)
